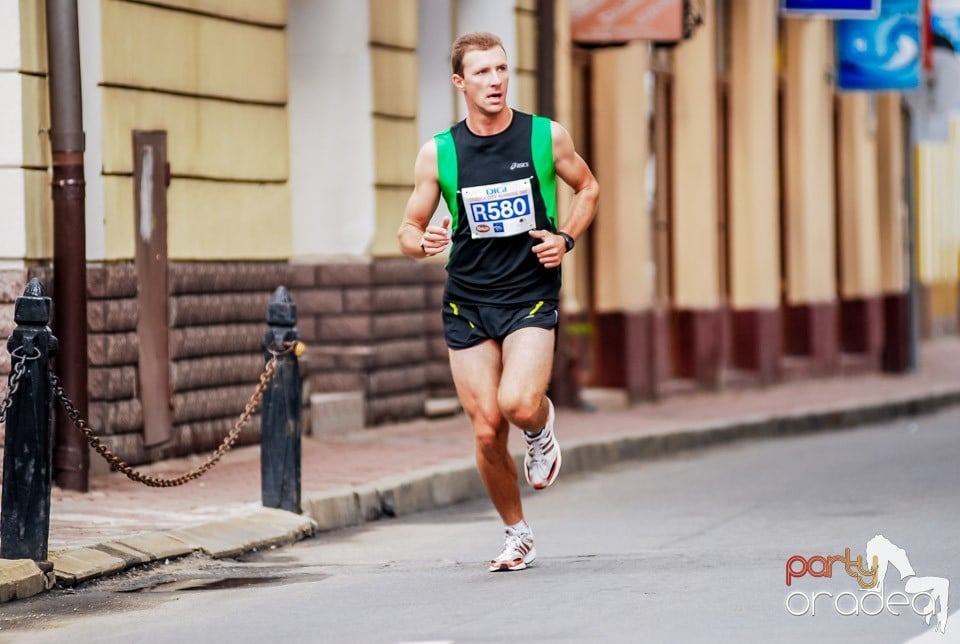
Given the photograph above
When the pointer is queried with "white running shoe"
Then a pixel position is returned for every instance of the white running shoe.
(541, 463)
(518, 552)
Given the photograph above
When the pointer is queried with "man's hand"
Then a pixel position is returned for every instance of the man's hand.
(551, 248)
(436, 238)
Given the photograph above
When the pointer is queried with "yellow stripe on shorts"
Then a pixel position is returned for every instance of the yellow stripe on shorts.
(534, 310)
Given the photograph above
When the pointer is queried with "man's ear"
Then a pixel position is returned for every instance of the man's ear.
(457, 81)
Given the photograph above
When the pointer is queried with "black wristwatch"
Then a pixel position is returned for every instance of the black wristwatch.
(568, 239)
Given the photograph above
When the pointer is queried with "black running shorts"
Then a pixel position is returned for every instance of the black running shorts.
(467, 325)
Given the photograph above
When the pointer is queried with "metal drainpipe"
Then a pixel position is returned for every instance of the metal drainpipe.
(71, 457)
(546, 64)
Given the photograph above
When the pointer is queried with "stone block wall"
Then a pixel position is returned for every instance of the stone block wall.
(217, 315)
(375, 327)
(370, 326)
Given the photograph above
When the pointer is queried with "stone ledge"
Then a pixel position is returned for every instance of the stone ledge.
(74, 566)
(19, 579)
(232, 537)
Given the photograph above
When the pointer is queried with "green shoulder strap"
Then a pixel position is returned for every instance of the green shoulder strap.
(447, 174)
(541, 144)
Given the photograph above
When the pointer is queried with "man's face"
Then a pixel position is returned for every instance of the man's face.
(485, 79)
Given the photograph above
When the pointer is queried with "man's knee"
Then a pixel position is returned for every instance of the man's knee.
(490, 441)
(489, 429)
(521, 408)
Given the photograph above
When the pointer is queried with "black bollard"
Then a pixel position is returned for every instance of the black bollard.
(28, 447)
(280, 435)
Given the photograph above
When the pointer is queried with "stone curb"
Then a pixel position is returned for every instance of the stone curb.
(225, 538)
(21, 578)
(458, 481)
(425, 489)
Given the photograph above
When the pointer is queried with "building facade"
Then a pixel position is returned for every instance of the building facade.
(752, 224)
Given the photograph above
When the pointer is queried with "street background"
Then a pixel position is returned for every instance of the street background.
(689, 548)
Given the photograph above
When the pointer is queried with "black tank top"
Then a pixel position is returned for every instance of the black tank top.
(499, 270)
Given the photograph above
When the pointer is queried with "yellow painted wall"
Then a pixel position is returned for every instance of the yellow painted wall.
(151, 47)
(38, 206)
(269, 12)
(39, 211)
(393, 93)
(395, 78)
(934, 196)
(218, 86)
(943, 305)
(205, 138)
(394, 22)
(938, 209)
(206, 220)
(809, 182)
(694, 171)
(948, 240)
(36, 121)
(754, 220)
(33, 36)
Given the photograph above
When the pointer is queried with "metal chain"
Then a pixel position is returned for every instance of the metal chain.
(12, 383)
(19, 369)
(156, 481)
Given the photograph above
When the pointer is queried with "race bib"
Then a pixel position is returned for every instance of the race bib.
(499, 209)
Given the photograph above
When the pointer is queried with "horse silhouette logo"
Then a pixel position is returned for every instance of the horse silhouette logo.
(935, 589)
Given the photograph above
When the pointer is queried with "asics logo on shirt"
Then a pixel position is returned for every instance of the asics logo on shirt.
(516, 165)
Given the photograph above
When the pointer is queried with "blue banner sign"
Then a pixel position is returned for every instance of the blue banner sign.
(945, 20)
(881, 54)
(836, 9)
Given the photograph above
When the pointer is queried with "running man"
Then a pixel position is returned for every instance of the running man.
(496, 170)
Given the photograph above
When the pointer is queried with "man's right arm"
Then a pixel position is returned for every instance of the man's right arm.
(418, 239)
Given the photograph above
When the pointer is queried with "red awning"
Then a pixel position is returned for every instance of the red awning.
(610, 21)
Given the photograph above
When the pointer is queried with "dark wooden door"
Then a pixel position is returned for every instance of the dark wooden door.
(150, 177)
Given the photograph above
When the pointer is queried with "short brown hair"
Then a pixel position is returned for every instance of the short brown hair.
(481, 40)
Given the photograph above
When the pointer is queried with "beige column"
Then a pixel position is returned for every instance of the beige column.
(754, 217)
(860, 277)
(622, 229)
(696, 317)
(524, 62)
(859, 225)
(754, 177)
(694, 171)
(809, 191)
(575, 264)
(891, 202)
(621, 233)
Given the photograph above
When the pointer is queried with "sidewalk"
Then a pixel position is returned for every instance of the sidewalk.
(415, 466)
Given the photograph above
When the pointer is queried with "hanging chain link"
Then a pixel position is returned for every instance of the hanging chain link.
(19, 368)
(118, 464)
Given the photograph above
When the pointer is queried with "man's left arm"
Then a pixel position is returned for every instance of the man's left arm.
(573, 170)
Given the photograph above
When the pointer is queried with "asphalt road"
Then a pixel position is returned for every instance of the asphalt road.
(687, 549)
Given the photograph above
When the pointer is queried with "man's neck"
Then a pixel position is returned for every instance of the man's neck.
(489, 124)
